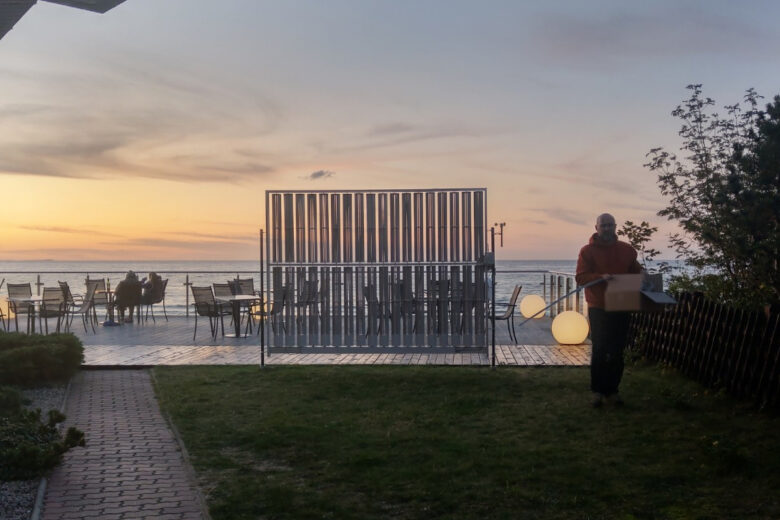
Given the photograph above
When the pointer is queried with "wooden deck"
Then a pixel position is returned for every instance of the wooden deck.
(170, 343)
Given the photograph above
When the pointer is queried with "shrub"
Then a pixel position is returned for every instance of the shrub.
(10, 400)
(29, 447)
(35, 359)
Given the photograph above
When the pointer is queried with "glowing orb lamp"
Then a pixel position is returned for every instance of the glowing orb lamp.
(531, 304)
(570, 328)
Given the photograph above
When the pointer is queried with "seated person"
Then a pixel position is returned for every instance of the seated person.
(152, 289)
(127, 295)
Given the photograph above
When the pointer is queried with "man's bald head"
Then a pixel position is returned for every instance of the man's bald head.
(606, 228)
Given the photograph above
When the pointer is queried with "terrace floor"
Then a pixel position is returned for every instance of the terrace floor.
(171, 343)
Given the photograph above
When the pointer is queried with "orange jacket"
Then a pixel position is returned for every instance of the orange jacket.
(599, 258)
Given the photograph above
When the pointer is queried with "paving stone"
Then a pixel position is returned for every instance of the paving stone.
(115, 475)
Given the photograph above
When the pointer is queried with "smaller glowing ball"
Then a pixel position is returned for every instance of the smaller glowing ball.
(570, 328)
(532, 304)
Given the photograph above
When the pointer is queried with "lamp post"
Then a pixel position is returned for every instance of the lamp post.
(500, 231)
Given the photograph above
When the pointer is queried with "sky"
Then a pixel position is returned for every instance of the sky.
(151, 132)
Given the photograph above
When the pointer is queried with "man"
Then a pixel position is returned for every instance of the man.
(127, 294)
(604, 256)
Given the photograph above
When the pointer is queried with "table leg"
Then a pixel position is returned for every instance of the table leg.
(236, 307)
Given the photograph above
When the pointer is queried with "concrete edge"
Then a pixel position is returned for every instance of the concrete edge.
(41, 494)
(116, 367)
(183, 449)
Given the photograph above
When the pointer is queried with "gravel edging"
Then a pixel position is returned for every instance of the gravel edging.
(23, 499)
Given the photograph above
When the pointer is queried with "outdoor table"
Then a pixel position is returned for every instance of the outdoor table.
(36, 303)
(235, 301)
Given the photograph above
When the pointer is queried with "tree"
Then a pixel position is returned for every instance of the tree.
(639, 236)
(724, 195)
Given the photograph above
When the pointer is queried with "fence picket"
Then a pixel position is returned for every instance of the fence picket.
(717, 345)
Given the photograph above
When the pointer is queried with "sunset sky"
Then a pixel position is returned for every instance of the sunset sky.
(152, 131)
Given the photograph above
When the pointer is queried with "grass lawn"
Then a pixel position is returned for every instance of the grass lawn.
(467, 442)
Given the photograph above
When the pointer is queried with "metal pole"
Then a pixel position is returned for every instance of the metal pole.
(187, 295)
(262, 305)
(552, 304)
(493, 297)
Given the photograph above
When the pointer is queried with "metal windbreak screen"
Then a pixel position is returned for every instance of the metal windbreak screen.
(377, 268)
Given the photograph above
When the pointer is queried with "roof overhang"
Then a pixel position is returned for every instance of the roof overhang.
(12, 10)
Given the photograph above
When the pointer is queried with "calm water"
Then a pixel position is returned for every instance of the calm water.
(76, 272)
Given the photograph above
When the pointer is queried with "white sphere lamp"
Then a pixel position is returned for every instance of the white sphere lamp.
(570, 328)
(532, 304)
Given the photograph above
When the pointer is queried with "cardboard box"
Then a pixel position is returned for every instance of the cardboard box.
(636, 292)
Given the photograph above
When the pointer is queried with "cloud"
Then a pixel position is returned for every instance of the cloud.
(133, 121)
(565, 215)
(220, 237)
(76, 231)
(616, 38)
(390, 129)
(319, 174)
(195, 245)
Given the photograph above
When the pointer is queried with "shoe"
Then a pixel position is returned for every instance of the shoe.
(615, 400)
(598, 400)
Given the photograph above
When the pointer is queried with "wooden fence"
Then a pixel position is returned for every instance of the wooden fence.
(719, 346)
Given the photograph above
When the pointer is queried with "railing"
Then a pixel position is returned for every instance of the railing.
(551, 285)
(556, 285)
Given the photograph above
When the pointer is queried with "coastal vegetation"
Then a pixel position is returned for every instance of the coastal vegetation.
(37, 359)
(468, 442)
(724, 192)
(30, 445)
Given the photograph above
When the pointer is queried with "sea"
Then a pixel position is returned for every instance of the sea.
(528, 273)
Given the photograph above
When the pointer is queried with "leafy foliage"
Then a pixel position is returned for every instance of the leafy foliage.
(29, 447)
(36, 359)
(724, 194)
(639, 236)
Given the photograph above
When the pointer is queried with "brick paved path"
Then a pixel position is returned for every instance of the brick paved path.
(131, 466)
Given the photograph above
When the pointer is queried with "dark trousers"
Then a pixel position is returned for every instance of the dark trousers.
(608, 333)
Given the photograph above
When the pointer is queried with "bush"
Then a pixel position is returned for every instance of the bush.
(28, 447)
(10, 400)
(35, 359)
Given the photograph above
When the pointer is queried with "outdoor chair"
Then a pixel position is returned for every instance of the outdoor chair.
(373, 309)
(464, 301)
(307, 299)
(2, 316)
(438, 302)
(281, 298)
(83, 308)
(20, 290)
(207, 306)
(100, 297)
(509, 313)
(161, 299)
(52, 306)
(407, 304)
(246, 286)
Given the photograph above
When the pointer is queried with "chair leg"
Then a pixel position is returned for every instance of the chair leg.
(165, 312)
(196, 327)
(514, 332)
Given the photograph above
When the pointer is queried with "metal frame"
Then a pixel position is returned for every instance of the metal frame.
(394, 268)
